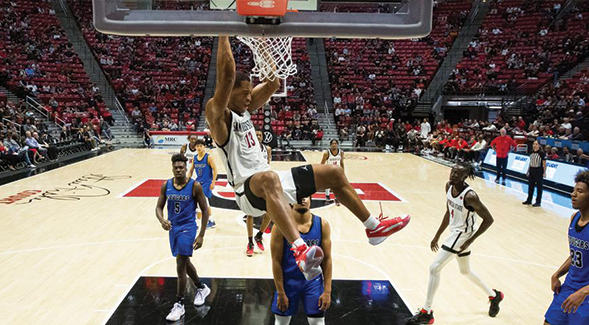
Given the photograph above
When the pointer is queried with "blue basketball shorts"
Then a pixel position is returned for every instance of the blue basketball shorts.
(182, 240)
(301, 290)
(555, 314)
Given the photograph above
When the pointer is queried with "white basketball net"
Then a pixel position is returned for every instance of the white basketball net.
(272, 57)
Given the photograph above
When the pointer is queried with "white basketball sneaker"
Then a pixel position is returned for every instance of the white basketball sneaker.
(176, 313)
(201, 295)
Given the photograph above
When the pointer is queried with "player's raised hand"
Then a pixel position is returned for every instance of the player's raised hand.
(198, 242)
(167, 225)
(555, 284)
(282, 302)
(324, 301)
(434, 244)
(573, 302)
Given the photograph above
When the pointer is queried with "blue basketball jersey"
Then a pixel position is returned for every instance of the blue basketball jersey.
(578, 275)
(289, 264)
(181, 204)
(203, 171)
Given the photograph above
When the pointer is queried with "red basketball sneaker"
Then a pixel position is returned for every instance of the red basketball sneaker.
(259, 243)
(386, 227)
(250, 250)
(309, 260)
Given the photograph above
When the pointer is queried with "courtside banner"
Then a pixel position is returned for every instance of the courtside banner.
(173, 138)
(556, 171)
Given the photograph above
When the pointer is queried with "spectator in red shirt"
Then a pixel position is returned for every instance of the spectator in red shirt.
(521, 124)
(553, 155)
(502, 145)
(450, 150)
(464, 148)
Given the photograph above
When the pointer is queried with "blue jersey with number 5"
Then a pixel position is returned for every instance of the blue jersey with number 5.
(578, 276)
(181, 204)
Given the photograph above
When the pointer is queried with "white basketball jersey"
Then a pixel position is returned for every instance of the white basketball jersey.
(190, 154)
(334, 159)
(264, 151)
(461, 219)
(241, 155)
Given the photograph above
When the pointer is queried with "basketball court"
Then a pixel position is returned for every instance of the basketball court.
(81, 244)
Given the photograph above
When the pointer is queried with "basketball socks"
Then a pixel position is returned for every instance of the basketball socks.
(316, 320)
(259, 235)
(250, 240)
(281, 320)
(298, 242)
(180, 300)
(199, 285)
(371, 223)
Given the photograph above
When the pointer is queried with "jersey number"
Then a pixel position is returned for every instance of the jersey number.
(199, 172)
(452, 213)
(249, 139)
(576, 258)
(177, 207)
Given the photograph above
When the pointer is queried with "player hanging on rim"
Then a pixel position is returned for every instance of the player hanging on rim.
(462, 208)
(182, 194)
(291, 285)
(257, 188)
(570, 305)
(205, 170)
(333, 156)
(267, 154)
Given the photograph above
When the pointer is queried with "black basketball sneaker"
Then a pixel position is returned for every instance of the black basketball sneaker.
(494, 301)
(422, 317)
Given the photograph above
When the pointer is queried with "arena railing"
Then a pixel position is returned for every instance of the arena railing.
(32, 103)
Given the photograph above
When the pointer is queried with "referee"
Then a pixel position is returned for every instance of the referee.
(536, 174)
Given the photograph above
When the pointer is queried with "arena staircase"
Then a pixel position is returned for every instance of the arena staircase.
(122, 130)
(467, 32)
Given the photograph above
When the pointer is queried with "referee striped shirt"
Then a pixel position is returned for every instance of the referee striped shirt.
(536, 159)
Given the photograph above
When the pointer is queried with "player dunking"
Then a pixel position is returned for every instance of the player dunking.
(462, 208)
(182, 195)
(291, 285)
(333, 156)
(205, 169)
(570, 305)
(267, 154)
(257, 188)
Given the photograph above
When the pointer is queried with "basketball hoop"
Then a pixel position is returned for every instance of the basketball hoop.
(272, 57)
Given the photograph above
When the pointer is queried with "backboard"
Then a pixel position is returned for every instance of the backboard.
(392, 19)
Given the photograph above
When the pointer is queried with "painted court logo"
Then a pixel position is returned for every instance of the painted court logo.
(87, 186)
(224, 196)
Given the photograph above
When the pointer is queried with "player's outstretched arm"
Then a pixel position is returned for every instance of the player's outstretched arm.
(276, 248)
(201, 200)
(216, 112)
(269, 149)
(214, 168)
(326, 265)
(324, 158)
(191, 170)
(442, 227)
(472, 200)
(159, 209)
(262, 93)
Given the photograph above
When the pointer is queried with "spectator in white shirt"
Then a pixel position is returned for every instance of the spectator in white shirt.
(426, 128)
